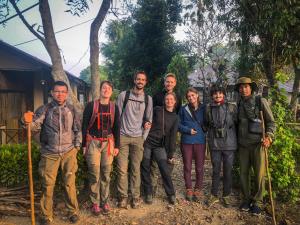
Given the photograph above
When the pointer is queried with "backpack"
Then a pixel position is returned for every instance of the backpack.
(96, 104)
(146, 100)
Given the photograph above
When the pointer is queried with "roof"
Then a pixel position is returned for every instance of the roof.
(33, 59)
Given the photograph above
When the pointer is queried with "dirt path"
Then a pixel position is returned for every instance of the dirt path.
(161, 213)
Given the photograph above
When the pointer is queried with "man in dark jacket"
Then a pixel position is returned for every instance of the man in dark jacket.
(250, 143)
(221, 119)
(60, 127)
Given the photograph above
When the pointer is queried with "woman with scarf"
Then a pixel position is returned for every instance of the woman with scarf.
(192, 143)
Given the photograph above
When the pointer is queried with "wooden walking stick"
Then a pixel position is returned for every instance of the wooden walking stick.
(267, 169)
(28, 120)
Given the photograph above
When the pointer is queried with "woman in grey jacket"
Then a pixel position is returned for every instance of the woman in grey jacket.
(220, 120)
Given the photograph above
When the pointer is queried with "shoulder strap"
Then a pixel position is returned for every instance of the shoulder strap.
(146, 107)
(258, 102)
(112, 112)
(94, 114)
(125, 100)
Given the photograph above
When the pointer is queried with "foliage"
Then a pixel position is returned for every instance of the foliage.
(144, 42)
(13, 164)
(85, 74)
(179, 66)
(14, 167)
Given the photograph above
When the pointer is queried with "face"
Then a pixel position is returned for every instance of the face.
(140, 81)
(218, 96)
(170, 101)
(192, 98)
(245, 90)
(106, 91)
(60, 94)
(170, 83)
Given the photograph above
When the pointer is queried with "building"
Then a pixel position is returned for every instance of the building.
(25, 83)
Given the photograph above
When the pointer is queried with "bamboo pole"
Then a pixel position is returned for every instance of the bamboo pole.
(30, 174)
(267, 170)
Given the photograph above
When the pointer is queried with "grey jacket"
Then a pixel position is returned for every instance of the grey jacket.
(132, 117)
(60, 128)
(218, 118)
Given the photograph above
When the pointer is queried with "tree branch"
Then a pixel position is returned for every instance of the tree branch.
(30, 28)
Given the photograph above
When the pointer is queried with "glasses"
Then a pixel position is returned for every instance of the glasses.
(60, 92)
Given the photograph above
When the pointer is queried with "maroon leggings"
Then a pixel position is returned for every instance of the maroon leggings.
(190, 152)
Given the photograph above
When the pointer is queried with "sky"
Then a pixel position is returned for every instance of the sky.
(74, 42)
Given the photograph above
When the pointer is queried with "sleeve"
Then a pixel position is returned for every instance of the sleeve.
(38, 118)
(149, 114)
(172, 139)
(181, 127)
(77, 128)
(206, 121)
(178, 103)
(116, 128)
(268, 118)
(87, 113)
(120, 101)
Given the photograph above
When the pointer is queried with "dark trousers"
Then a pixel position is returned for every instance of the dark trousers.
(160, 156)
(190, 152)
(217, 158)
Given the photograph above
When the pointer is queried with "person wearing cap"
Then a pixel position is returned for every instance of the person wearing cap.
(220, 121)
(251, 144)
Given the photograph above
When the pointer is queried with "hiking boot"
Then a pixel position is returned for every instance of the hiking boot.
(45, 221)
(245, 206)
(189, 194)
(255, 209)
(135, 203)
(122, 203)
(212, 200)
(148, 199)
(105, 209)
(96, 210)
(74, 218)
(197, 195)
(226, 201)
(172, 199)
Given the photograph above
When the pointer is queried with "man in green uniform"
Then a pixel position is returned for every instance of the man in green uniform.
(251, 144)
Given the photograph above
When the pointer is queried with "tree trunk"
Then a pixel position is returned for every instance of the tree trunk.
(94, 48)
(296, 87)
(52, 48)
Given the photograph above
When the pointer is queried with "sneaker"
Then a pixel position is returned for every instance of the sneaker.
(45, 221)
(135, 203)
(226, 201)
(197, 194)
(122, 203)
(255, 209)
(212, 200)
(245, 206)
(105, 209)
(96, 210)
(189, 194)
(74, 218)
(172, 199)
(148, 199)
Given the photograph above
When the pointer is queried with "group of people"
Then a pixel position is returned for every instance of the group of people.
(140, 133)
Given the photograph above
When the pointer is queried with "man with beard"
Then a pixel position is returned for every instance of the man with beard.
(135, 108)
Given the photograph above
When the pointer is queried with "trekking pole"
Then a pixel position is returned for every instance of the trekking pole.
(30, 174)
(267, 169)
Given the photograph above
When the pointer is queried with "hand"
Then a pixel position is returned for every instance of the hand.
(147, 125)
(193, 131)
(266, 142)
(116, 151)
(28, 116)
(171, 160)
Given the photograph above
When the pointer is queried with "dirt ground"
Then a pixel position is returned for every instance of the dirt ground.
(189, 213)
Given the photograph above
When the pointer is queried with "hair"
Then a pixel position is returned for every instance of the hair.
(215, 88)
(171, 93)
(108, 83)
(170, 75)
(194, 90)
(59, 83)
(140, 72)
